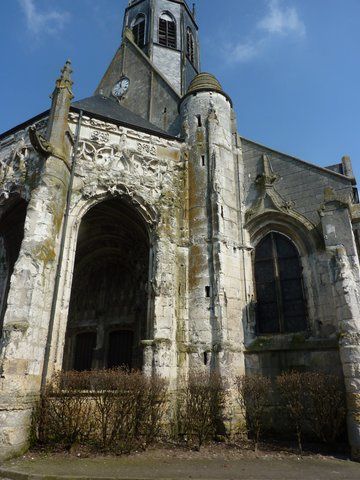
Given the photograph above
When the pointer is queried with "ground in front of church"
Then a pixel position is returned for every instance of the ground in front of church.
(211, 463)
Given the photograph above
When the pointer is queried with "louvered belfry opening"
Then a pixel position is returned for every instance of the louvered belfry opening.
(167, 31)
(190, 46)
(280, 302)
(12, 222)
(108, 307)
(138, 30)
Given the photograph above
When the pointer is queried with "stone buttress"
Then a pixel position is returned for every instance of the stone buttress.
(25, 329)
(344, 263)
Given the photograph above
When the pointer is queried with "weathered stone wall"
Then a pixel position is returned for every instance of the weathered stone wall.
(169, 60)
(344, 262)
(297, 182)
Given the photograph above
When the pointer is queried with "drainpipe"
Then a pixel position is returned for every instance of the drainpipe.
(61, 255)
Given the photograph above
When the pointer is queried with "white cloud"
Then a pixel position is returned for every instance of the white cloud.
(51, 21)
(279, 20)
(242, 52)
(282, 20)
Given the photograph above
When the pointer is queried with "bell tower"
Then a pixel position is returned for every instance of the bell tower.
(166, 31)
(158, 58)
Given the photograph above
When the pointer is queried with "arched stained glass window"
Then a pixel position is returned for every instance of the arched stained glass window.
(138, 30)
(190, 45)
(279, 289)
(167, 31)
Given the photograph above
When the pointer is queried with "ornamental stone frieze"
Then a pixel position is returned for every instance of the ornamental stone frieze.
(105, 161)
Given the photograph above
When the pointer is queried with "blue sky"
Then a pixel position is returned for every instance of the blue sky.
(292, 67)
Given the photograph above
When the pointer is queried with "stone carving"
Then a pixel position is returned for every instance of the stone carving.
(115, 170)
(41, 125)
(109, 156)
(100, 137)
(146, 149)
(119, 160)
(40, 144)
(16, 168)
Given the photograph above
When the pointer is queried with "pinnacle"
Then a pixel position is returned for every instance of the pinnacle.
(65, 81)
(66, 70)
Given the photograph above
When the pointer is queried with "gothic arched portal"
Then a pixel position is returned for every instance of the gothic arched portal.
(109, 299)
(12, 223)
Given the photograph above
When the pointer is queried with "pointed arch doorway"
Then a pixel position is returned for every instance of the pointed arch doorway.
(109, 298)
(12, 223)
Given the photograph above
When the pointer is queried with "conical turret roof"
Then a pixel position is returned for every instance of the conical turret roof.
(205, 81)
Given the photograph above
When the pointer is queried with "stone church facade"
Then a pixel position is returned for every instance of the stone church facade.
(139, 228)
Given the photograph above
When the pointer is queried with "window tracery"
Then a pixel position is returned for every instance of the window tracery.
(280, 302)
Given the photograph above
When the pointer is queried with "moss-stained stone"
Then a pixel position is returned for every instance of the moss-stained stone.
(45, 252)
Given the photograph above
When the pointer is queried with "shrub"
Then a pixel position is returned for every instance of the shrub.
(253, 396)
(327, 408)
(315, 399)
(291, 390)
(201, 405)
(114, 410)
(65, 414)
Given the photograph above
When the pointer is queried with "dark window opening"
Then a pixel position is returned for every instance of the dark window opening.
(207, 291)
(280, 304)
(203, 160)
(206, 358)
(84, 351)
(190, 45)
(120, 349)
(355, 195)
(138, 30)
(199, 121)
(167, 31)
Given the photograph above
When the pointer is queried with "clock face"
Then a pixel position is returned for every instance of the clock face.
(121, 87)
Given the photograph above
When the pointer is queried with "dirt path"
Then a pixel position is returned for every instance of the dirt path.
(177, 464)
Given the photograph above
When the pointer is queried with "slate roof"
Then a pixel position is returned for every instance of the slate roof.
(105, 108)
